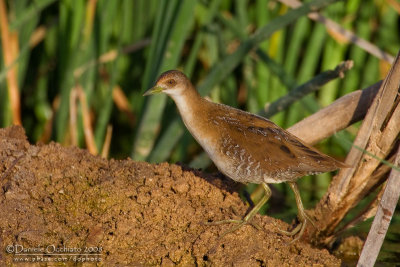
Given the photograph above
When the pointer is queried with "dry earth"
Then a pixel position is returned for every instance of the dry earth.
(58, 200)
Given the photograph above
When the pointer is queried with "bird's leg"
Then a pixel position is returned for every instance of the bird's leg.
(302, 215)
(250, 215)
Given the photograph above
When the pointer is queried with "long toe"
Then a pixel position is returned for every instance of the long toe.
(239, 223)
(292, 232)
(308, 219)
(298, 230)
(233, 229)
(224, 222)
(301, 232)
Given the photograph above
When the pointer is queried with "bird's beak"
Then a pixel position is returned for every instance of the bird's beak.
(154, 90)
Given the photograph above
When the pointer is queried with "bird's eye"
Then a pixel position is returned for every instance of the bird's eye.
(171, 82)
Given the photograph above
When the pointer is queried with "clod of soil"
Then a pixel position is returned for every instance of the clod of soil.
(64, 201)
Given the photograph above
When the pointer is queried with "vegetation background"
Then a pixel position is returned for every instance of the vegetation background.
(74, 71)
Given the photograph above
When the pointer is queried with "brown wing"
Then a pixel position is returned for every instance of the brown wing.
(281, 153)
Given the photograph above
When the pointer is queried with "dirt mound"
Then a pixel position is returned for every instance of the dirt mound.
(63, 204)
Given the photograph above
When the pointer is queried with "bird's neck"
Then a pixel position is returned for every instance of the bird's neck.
(187, 101)
(195, 112)
(191, 107)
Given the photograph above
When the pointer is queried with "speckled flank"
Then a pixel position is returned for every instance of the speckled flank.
(237, 163)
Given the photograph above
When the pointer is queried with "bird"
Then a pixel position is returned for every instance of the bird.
(245, 147)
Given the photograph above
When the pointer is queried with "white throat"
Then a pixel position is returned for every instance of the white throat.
(184, 106)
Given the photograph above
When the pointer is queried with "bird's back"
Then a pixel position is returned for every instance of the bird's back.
(249, 148)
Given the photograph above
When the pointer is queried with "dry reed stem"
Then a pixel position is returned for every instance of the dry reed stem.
(78, 93)
(9, 43)
(377, 135)
(394, 4)
(122, 103)
(107, 142)
(337, 116)
(37, 36)
(87, 124)
(377, 179)
(73, 115)
(383, 217)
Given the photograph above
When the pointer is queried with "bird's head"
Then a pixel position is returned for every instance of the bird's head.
(172, 82)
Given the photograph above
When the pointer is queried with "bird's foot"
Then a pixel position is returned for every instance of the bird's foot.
(292, 232)
(239, 223)
(248, 217)
(299, 229)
